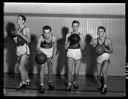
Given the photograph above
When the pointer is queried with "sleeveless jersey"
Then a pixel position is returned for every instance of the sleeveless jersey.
(45, 44)
(103, 44)
(19, 42)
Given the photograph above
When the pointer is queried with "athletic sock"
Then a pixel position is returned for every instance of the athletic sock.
(27, 80)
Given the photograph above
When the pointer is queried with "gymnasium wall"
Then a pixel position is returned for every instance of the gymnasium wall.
(60, 20)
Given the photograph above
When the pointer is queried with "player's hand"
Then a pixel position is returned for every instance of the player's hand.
(106, 50)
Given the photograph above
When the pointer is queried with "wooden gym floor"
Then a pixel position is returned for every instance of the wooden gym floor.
(87, 87)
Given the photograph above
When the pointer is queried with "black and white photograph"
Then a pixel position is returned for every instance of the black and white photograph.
(64, 49)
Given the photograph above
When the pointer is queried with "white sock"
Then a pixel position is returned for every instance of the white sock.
(23, 82)
(41, 84)
(27, 80)
(69, 84)
(105, 85)
(75, 82)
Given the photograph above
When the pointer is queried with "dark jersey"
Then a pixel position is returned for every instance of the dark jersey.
(20, 40)
(45, 44)
(103, 44)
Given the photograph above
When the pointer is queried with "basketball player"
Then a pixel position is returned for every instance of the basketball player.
(104, 59)
(47, 45)
(74, 56)
(23, 50)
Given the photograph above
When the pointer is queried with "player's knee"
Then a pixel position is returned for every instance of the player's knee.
(49, 68)
(21, 68)
(106, 62)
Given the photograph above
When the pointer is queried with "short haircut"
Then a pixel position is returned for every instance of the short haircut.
(75, 21)
(101, 27)
(46, 27)
(23, 17)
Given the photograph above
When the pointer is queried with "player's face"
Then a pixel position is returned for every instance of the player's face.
(20, 20)
(75, 26)
(100, 32)
(47, 33)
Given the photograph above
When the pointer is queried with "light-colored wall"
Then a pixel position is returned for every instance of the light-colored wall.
(115, 30)
(66, 8)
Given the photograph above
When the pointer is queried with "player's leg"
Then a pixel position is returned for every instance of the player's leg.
(70, 68)
(27, 53)
(77, 67)
(98, 76)
(42, 72)
(104, 76)
(22, 71)
(98, 70)
(50, 74)
(76, 73)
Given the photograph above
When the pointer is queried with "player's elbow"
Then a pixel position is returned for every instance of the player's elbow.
(29, 41)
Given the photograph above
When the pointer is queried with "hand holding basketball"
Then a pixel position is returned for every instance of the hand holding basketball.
(74, 38)
(12, 32)
(99, 49)
(40, 58)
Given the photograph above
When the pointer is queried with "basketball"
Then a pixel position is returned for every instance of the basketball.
(20, 40)
(12, 32)
(74, 38)
(99, 49)
(41, 58)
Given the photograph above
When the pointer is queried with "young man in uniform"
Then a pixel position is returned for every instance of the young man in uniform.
(23, 51)
(74, 56)
(103, 60)
(47, 45)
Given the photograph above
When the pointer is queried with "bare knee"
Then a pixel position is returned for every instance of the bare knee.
(21, 68)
